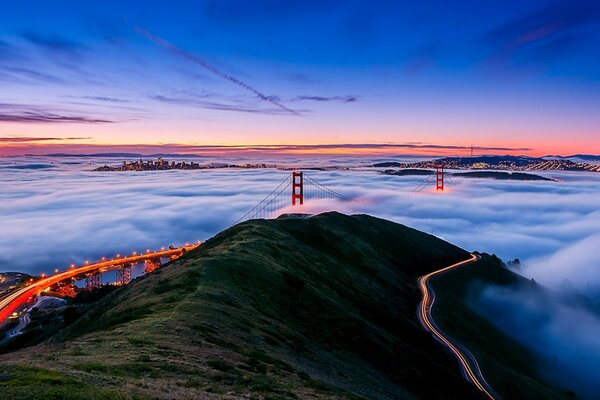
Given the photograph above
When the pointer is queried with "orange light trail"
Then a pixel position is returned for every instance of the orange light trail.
(16, 300)
(469, 366)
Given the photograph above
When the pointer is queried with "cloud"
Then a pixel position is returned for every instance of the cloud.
(219, 106)
(341, 99)
(53, 43)
(564, 333)
(542, 36)
(37, 117)
(422, 58)
(8, 51)
(198, 61)
(513, 219)
(37, 139)
(579, 262)
(254, 150)
(31, 74)
(18, 113)
(299, 77)
(104, 98)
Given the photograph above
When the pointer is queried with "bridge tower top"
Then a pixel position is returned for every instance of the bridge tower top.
(439, 177)
(297, 188)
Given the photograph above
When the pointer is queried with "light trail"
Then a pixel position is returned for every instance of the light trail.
(468, 363)
(16, 300)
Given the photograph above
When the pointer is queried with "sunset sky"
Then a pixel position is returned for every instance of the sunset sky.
(432, 77)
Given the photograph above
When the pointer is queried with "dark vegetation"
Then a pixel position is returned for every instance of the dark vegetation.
(409, 172)
(512, 369)
(510, 176)
(46, 322)
(321, 307)
(293, 308)
(90, 296)
(12, 279)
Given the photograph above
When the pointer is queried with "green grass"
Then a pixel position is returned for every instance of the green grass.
(321, 307)
(24, 383)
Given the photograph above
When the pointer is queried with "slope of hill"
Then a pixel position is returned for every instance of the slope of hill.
(317, 308)
(513, 368)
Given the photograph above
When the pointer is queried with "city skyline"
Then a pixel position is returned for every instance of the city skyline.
(300, 77)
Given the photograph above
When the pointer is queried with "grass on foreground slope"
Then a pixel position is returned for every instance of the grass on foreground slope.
(317, 308)
(511, 369)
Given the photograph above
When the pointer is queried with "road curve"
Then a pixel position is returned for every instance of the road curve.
(468, 364)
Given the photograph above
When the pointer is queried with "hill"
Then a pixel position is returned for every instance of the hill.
(511, 163)
(316, 308)
(408, 172)
(500, 175)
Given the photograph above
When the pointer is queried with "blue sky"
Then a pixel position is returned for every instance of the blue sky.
(509, 74)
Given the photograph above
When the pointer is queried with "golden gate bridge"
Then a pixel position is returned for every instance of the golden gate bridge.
(302, 187)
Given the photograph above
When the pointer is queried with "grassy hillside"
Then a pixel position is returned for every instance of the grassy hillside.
(320, 307)
(313, 308)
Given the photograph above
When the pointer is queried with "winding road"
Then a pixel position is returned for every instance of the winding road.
(468, 363)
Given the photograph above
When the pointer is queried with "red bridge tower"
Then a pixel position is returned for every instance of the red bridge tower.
(297, 188)
(439, 177)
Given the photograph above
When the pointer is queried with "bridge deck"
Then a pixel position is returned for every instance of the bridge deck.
(17, 299)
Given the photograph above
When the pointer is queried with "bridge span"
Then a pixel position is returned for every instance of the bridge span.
(90, 272)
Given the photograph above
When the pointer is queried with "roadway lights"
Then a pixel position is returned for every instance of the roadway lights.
(72, 265)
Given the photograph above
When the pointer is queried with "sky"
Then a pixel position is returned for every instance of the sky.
(183, 76)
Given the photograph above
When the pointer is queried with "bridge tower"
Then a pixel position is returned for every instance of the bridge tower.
(124, 274)
(297, 188)
(439, 177)
(152, 264)
(93, 280)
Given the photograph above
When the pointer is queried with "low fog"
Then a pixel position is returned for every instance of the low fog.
(57, 211)
(564, 332)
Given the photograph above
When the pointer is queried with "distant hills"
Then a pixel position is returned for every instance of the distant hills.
(513, 163)
(320, 307)
(584, 157)
(501, 175)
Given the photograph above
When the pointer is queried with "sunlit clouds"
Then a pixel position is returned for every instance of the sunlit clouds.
(68, 213)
